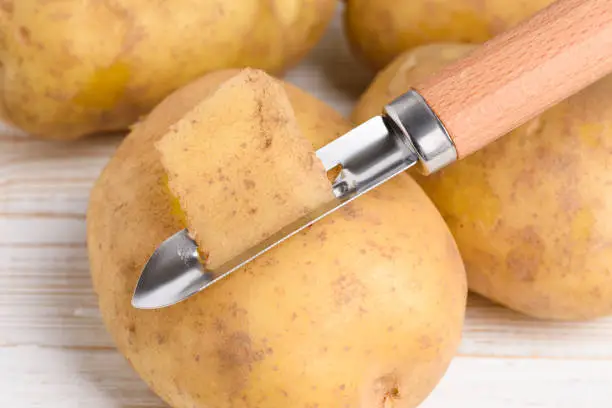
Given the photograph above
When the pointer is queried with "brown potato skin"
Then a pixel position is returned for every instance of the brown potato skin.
(380, 30)
(532, 212)
(72, 68)
(356, 310)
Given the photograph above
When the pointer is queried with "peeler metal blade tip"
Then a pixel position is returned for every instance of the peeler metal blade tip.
(172, 274)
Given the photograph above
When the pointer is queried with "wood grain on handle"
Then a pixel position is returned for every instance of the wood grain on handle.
(522, 72)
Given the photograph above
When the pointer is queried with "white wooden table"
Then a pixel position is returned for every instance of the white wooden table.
(54, 351)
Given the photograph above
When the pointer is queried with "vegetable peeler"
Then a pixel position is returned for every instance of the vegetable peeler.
(455, 112)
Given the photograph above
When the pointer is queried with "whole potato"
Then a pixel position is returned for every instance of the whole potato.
(380, 30)
(531, 212)
(71, 68)
(356, 311)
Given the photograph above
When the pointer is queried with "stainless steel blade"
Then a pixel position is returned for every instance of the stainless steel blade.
(368, 155)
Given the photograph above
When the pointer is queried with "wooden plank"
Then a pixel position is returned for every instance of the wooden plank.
(63, 378)
(492, 330)
(521, 383)
(46, 298)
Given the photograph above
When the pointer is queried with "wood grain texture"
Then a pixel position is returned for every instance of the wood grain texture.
(518, 75)
(56, 353)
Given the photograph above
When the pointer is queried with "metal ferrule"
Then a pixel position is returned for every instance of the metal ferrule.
(417, 124)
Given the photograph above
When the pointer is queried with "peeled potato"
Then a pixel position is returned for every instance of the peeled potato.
(380, 30)
(356, 311)
(531, 212)
(71, 68)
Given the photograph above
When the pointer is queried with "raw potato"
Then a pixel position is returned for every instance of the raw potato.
(264, 176)
(71, 68)
(356, 311)
(531, 213)
(380, 30)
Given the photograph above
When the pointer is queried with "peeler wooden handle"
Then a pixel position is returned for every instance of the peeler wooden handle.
(519, 74)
